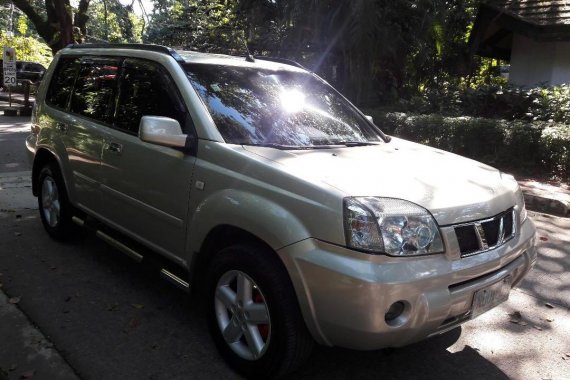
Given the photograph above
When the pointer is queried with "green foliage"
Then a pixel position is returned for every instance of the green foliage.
(27, 48)
(110, 21)
(555, 148)
(371, 50)
(519, 145)
(22, 25)
(203, 25)
(496, 100)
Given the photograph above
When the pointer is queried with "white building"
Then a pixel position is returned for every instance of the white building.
(534, 35)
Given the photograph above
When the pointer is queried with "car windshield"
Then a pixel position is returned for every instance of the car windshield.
(283, 109)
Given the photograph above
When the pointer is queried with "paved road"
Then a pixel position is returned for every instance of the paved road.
(13, 131)
(110, 319)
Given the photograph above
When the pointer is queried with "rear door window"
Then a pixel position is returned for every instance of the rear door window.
(95, 88)
(61, 85)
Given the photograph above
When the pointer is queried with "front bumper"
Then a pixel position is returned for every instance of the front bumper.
(344, 295)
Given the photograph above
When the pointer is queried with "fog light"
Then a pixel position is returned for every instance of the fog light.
(395, 310)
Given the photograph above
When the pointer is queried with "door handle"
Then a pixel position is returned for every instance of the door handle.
(115, 147)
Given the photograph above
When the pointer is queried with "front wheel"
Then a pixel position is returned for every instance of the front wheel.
(55, 209)
(253, 313)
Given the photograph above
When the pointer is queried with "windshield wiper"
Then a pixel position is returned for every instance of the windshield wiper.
(291, 147)
(356, 143)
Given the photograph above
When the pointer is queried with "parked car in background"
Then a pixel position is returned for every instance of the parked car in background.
(273, 198)
(26, 70)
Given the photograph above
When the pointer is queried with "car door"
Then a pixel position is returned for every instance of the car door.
(79, 100)
(146, 187)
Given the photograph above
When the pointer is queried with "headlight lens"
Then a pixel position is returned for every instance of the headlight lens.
(392, 226)
(521, 206)
(514, 185)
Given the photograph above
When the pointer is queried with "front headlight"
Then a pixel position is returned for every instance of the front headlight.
(521, 206)
(392, 226)
(514, 185)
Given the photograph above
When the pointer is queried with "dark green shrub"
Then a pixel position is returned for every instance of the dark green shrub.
(515, 145)
(555, 149)
(493, 101)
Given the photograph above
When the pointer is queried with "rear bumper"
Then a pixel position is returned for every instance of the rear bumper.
(344, 295)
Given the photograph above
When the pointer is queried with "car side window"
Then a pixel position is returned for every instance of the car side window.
(61, 84)
(95, 88)
(146, 89)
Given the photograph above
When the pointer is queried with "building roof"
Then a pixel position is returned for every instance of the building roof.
(537, 12)
(498, 20)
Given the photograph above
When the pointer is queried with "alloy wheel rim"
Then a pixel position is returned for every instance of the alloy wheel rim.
(242, 315)
(51, 206)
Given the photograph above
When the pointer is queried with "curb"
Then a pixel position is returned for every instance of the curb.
(26, 352)
(544, 197)
(547, 205)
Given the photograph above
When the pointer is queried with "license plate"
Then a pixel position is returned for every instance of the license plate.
(491, 296)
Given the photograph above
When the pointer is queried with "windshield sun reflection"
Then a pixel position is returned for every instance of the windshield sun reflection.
(292, 100)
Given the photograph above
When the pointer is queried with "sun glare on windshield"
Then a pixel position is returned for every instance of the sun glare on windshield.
(292, 100)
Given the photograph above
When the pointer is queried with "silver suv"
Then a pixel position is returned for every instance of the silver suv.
(275, 199)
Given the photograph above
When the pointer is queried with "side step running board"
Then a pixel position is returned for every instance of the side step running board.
(120, 246)
(175, 280)
(164, 273)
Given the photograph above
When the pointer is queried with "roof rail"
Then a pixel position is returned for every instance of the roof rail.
(148, 47)
(280, 60)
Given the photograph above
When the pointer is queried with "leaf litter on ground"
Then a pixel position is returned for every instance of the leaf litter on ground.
(516, 317)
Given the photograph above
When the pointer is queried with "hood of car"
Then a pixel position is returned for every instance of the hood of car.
(453, 188)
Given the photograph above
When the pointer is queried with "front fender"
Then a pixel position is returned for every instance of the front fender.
(267, 220)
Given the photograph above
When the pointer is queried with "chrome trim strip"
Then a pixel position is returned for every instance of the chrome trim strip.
(84, 177)
(120, 246)
(480, 232)
(501, 234)
(514, 228)
(174, 279)
(134, 236)
(78, 221)
(502, 238)
(478, 221)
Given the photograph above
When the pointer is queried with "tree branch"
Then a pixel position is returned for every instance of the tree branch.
(26, 7)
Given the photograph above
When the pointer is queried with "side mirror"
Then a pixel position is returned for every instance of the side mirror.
(162, 131)
(369, 118)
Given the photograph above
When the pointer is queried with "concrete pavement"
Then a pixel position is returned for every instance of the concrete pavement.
(24, 352)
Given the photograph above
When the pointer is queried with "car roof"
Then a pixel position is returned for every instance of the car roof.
(189, 56)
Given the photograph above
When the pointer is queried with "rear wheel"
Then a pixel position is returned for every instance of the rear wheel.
(253, 313)
(54, 206)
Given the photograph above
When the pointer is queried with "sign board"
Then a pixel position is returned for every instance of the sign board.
(9, 66)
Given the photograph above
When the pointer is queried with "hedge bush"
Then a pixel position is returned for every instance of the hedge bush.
(524, 147)
(550, 104)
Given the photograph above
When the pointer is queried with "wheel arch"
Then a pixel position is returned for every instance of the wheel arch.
(218, 238)
(230, 216)
(42, 157)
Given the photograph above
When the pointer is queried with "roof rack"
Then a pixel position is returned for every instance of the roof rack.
(280, 60)
(148, 47)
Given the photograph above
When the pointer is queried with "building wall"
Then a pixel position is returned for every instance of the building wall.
(561, 71)
(536, 62)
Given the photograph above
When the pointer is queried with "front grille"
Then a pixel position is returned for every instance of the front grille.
(483, 235)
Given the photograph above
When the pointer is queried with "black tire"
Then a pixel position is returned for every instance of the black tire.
(59, 227)
(288, 343)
